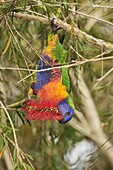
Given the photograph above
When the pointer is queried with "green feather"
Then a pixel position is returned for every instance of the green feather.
(70, 102)
(59, 53)
(66, 79)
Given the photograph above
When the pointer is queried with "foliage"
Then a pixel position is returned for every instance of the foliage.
(44, 144)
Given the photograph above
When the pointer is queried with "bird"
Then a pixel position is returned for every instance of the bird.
(52, 86)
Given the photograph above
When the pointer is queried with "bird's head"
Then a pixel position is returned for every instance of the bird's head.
(66, 110)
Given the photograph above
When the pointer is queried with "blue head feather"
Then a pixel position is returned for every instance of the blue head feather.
(66, 111)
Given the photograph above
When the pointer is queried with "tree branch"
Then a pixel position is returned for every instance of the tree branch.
(88, 108)
(76, 32)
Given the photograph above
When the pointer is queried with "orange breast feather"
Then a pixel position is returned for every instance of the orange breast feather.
(54, 91)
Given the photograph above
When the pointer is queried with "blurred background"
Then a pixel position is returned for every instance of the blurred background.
(49, 145)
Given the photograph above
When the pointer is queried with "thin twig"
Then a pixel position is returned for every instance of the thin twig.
(93, 17)
(100, 79)
(88, 107)
(14, 133)
(76, 63)
(24, 155)
(67, 27)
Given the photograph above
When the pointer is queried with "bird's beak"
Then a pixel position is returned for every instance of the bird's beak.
(58, 117)
(62, 120)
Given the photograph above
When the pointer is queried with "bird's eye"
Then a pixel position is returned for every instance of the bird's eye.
(68, 113)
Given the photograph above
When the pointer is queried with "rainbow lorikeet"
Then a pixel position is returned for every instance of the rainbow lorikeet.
(52, 86)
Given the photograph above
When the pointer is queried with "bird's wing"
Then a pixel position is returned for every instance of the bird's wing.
(43, 77)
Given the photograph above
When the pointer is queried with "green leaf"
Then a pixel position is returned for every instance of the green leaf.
(15, 167)
(28, 167)
(14, 154)
(30, 157)
(2, 143)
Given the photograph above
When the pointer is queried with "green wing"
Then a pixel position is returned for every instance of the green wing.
(66, 79)
(69, 99)
(59, 53)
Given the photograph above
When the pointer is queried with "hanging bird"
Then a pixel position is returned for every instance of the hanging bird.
(52, 86)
